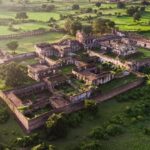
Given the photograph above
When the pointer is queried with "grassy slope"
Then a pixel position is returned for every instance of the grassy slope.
(132, 139)
(27, 44)
(10, 130)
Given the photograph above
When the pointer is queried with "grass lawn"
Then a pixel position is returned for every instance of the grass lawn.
(5, 31)
(145, 51)
(9, 130)
(42, 16)
(132, 139)
(30, 26)
(27, 44)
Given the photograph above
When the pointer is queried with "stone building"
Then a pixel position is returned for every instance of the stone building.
(59, 49)
(93, 77)
(39, 71)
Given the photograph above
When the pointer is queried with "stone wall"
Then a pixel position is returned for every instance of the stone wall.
(23, 34)
(31, 124)
(20, 117)
(19, 57)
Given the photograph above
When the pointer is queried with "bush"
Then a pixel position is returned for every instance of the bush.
(114, 129)
(118, 119)
(98, 133)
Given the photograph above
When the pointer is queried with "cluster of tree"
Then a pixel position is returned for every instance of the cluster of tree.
(72, 26)
(103, 132)
(21, 15)
(98, 26)
(56, 126)
(102, 25)
(4, 116)
(139, 111)
(13, 74)
(135, 12)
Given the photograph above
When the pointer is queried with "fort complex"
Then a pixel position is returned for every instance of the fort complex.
(92, 65)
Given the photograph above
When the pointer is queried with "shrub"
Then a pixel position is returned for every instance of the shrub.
(114, 129)
(118, 119)
(98, 133)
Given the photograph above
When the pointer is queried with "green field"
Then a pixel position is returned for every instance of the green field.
(27, 44)
(30, 26)
(10, 130)
(132, 139)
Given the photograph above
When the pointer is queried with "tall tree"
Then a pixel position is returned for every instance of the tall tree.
(56, 125)
(13, 45)
(72, 26)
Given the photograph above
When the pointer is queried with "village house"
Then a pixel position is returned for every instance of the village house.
(59, 49)
(91, 42)
(93, 76)
(39, 71)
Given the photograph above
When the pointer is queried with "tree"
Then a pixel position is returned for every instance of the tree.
(21, 15)
(75, 7)
(98, 4)
(102, 25)
(121, 5)
(132, 10)
(13, 46)
(72, 26)
(137, 16)
(91, 107)
(13, 74)
(56, 125)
